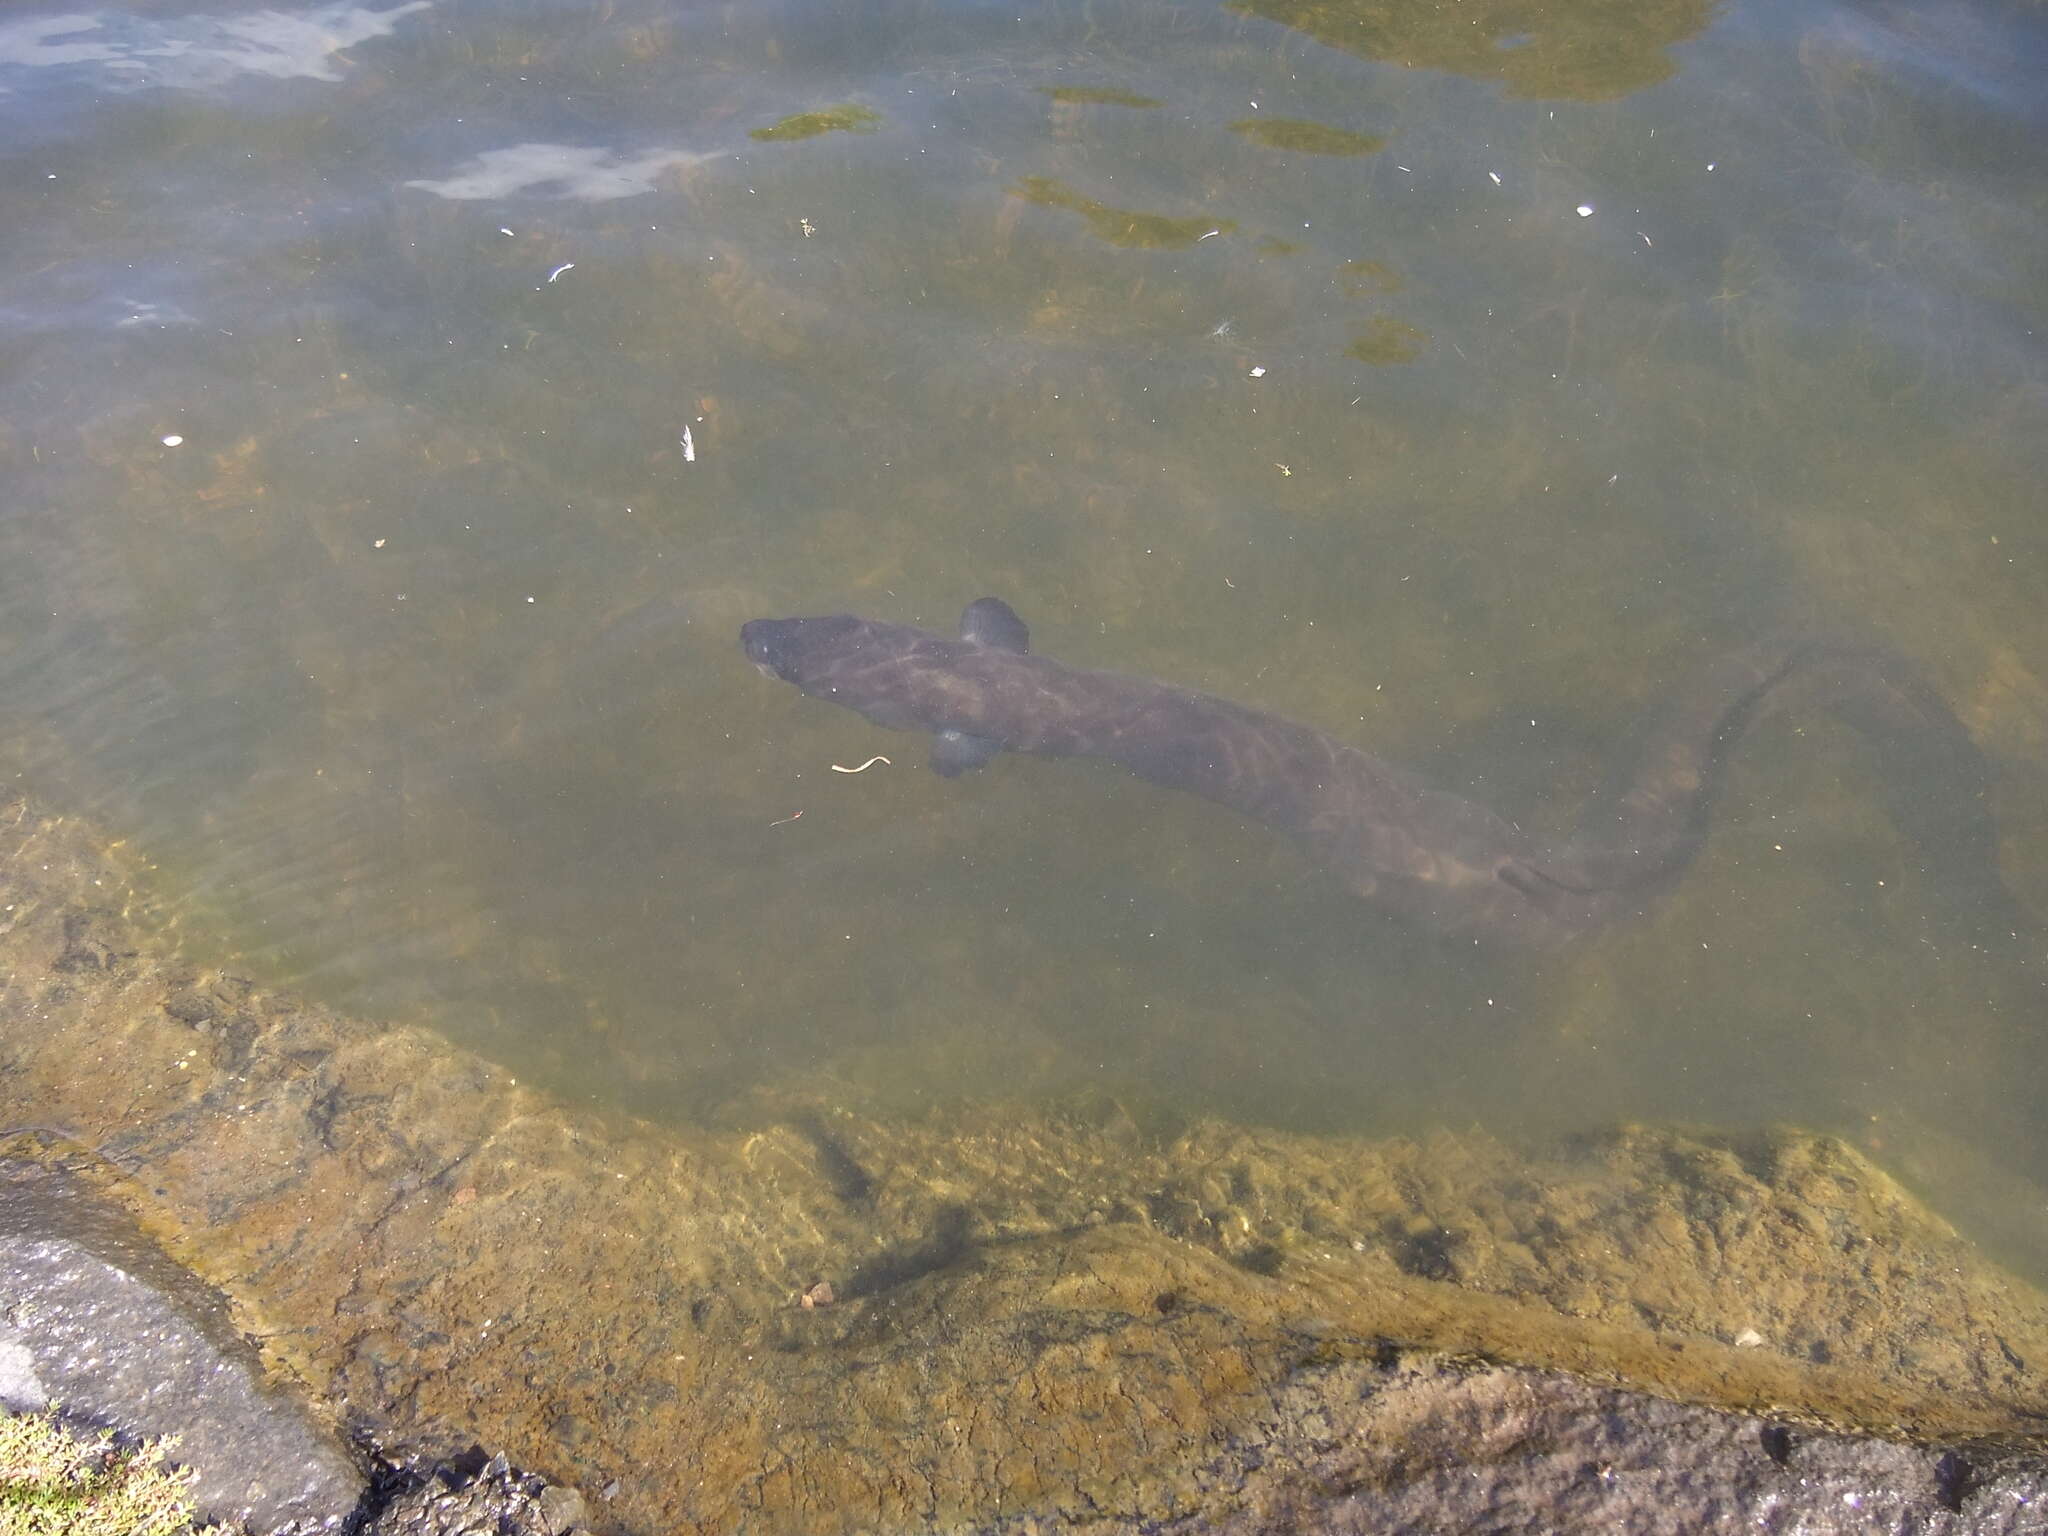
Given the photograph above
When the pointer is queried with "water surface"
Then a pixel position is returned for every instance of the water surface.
(402, 407)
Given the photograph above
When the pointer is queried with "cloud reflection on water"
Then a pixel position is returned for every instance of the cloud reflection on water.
(563, 170)
(195, 52)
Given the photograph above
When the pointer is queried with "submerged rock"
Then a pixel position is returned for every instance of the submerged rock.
(1428, 1445)
(455, 1499)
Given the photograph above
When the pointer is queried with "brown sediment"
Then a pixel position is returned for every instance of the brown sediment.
(1030, 1310)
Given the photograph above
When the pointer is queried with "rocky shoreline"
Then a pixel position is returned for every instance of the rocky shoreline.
(994, 1318)
(100, 1329)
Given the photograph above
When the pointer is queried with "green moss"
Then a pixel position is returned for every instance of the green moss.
(1122, 226)
(53, 1483)
(1099, 96)
(808, 125)
(1306, 138)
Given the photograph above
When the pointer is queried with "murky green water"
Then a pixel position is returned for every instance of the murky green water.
(400, 411)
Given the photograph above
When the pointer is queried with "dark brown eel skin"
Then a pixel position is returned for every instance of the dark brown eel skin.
(1441, 861)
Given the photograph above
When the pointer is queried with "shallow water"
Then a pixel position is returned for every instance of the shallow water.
(402, 408)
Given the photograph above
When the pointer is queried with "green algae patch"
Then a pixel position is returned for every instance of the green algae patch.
(1306, 138)
(1595, 51)
(808, 125)
(1098, 96)
(1385, 340)
(1121, 226)
(52, 1481)
(1362, 278)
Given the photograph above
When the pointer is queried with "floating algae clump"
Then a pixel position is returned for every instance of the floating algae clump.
(1099, 96)
(1360, 278)
(1122, 226)
(1386, 340)
(808, 125)
(1305, 137)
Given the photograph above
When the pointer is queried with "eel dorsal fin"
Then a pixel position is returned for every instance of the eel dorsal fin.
(991, 621)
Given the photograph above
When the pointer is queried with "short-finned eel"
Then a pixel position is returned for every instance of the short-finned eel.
(1446, 863)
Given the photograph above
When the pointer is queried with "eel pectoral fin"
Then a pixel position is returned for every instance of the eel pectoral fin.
(954, 752)
(991, 621)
